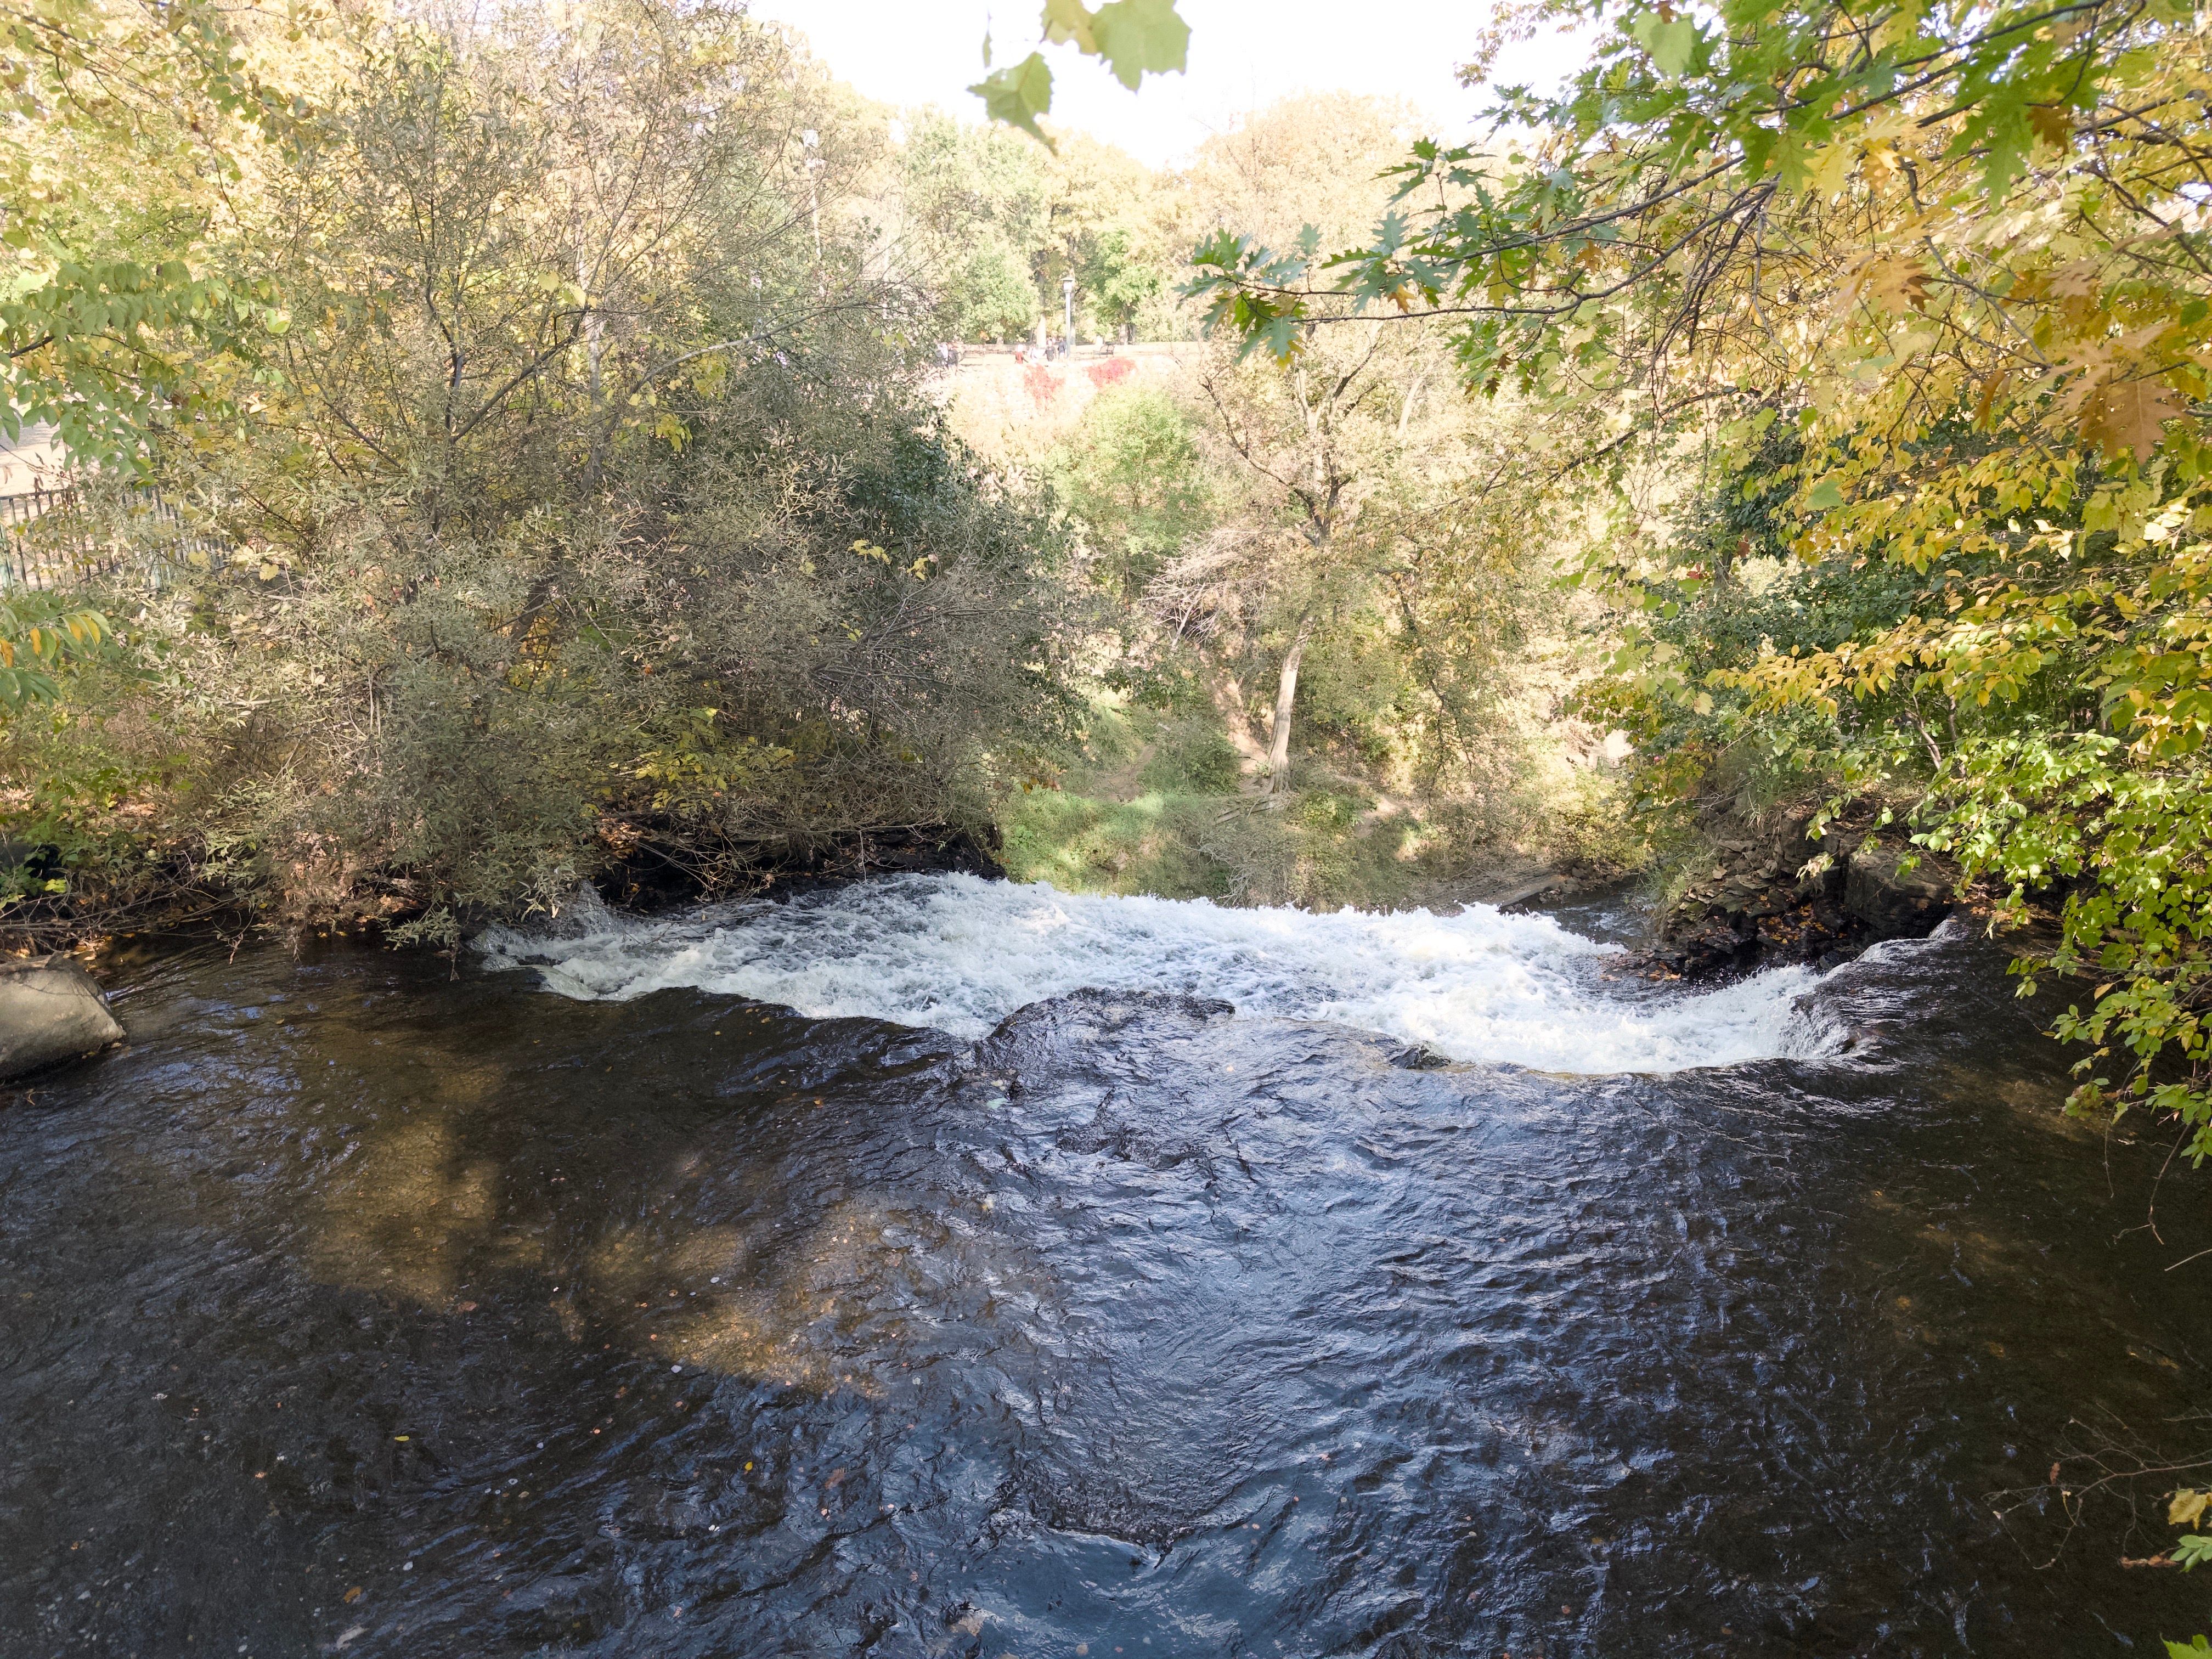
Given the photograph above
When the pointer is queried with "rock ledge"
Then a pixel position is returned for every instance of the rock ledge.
(1770, 892)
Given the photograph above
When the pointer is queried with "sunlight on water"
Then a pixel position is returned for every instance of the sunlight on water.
(960, 953)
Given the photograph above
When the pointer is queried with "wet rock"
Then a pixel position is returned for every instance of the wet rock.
(649, 876)
(1420, 1057)
(1084, 1017)
(1895, 901)
(1772, 891)
(1701, 948)
(50, 1010)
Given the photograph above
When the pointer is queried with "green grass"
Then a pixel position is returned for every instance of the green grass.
(1086, 844)
(1156, 803)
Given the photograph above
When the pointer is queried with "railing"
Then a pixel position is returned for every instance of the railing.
(56, 539)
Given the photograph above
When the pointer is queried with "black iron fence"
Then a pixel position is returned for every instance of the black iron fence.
(59, 538)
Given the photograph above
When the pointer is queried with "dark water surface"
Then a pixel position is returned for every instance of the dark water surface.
(354, 1307)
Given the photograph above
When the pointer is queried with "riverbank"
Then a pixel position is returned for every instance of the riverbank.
(645, 875)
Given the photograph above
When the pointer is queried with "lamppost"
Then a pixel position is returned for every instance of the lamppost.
(1067, 293)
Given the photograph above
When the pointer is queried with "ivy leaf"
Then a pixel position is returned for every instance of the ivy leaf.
(1017, 95)
(1141, 36)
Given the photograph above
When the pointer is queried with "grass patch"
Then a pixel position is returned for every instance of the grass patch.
(1083, 844)
(1155, 802)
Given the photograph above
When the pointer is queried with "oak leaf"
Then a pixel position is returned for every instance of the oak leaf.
(2128, 417)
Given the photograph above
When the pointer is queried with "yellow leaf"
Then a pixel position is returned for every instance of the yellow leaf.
(2076, 280)
(2187, 1508)
(1893, 283)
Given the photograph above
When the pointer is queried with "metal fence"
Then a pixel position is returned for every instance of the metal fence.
(52, 539)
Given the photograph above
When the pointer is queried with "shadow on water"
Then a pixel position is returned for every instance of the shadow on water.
(354, 1309)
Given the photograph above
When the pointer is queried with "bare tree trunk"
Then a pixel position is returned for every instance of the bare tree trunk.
(1286, 690)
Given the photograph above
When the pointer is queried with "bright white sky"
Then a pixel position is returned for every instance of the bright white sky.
(1244, 54)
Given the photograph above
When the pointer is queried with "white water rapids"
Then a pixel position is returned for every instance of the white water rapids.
(960, 953)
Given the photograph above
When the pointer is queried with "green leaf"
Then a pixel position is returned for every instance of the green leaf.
(1017, 95)
(2195, 1650)
(1672, 42)
(2192, 1550)
(1140, 37)
(1071, 19)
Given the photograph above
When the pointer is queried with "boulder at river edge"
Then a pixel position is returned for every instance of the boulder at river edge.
(1774, 892)
(1895, 901)
(50, 1010)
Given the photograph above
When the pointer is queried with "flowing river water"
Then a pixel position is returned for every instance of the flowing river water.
(939, 1268)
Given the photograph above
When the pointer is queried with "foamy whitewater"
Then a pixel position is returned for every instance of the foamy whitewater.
(960, 953)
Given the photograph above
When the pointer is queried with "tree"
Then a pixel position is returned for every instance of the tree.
(587, 511)
(1116, 280)
(993, 297)
(133, 123)
(1319, 432)
(1307, 435)
(981, 207)
(1136, 478)
(1961, 256)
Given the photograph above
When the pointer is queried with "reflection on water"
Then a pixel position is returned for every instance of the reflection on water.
(356, 1310)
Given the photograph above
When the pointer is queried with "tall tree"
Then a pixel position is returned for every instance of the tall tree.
(1962, 253)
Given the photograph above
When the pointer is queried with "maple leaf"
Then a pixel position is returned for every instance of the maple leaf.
(1017, 95)
(1992, 389)
(1071, 19)
(1141, 36)
(2128, 417)
(1899, 284)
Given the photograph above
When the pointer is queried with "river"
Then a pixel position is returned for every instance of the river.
(939, 1268)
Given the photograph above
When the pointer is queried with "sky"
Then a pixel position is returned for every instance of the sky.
(1244, 54)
